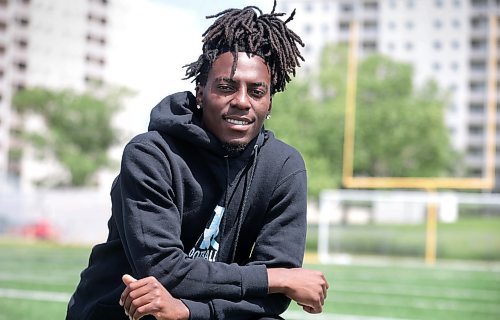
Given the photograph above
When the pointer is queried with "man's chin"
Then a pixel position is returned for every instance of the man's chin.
(233, 148)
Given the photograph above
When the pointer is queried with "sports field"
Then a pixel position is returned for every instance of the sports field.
(36, 280)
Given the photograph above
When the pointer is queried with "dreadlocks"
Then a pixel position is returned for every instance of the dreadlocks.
(243, 30)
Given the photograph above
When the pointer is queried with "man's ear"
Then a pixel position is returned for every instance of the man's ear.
(270, 105)
(199, 94)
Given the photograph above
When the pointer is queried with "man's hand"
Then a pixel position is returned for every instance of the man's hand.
(306, 287)
(148, 296)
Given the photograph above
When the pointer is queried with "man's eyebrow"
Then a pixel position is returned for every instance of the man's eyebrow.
(232, 81)
(225, 79)
(261, 84)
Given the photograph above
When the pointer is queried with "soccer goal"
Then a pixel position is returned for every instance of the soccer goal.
(370, 224)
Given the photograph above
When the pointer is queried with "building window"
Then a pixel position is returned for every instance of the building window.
(346, 7)
(476, 130)
(392, 25)
(308, 7)
(437, 24)
(20, 65)
(456, 3)
(438, 3)
(454, 66)
(478, 65)
(370, 26)
(409, 25)
(455, 23)
(478, 44)
(410, 3)
(475, 151)
(480, 3)
(324, 28)
(344, 26)
(477, 87)
(3, 26)
(22, 21)
(437, 45)
(308, 28)
(96, 39)
(476, 108)
(455, 44)
(373, 6)
(91, 79)
(94, 18)
(369, 46)
(408, 46)
(436, 66)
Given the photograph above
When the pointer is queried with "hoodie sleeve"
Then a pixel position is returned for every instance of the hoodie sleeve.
(280, 243)
(272, 306)
(149, 225)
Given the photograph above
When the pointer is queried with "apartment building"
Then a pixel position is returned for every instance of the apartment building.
(50, 43)
(444, 40)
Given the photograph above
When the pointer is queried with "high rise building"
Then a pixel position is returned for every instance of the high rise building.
(444, 40)
(51, 43)
(62, 44)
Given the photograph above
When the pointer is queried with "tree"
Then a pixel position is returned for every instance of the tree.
(77, 131)
(400, 130)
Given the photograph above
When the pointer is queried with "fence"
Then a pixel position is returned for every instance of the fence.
(393, 223)
(70, 216)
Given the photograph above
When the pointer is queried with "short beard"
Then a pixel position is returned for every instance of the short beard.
(232, 148)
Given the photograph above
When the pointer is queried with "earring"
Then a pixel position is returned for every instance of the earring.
(268, 116)
(198, 107)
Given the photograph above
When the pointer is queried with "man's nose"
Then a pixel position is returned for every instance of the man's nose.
(241, 100)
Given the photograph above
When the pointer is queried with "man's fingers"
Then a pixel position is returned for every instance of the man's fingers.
(128, 279)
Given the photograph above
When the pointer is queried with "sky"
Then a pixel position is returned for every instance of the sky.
(151, 43)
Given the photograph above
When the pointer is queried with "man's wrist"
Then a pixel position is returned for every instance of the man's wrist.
(184, 311)
(277, 280)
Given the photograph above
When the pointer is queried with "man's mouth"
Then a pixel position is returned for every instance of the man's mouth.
(237, 121)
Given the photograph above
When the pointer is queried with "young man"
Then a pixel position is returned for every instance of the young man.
(209, 209)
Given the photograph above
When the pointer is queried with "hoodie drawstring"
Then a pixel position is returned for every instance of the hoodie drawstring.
(241, 218)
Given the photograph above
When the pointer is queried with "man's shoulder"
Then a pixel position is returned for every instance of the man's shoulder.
(151, 140)
(276, 150)
(281, 148)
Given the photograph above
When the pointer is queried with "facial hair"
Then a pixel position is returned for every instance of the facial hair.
(232, 148)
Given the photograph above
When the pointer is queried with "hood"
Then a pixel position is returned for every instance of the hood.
(178, 116)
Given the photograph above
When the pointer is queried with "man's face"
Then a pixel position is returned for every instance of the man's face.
(234, 109)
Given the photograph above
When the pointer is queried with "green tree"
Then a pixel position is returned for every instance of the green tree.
(400, 130)
(78, 129)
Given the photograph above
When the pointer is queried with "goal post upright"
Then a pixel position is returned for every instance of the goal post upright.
(429, 184)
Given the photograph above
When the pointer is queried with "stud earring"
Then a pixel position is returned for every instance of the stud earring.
(268, 116)
(198, 107)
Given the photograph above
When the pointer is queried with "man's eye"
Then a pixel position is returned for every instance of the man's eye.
(224, 87)
(258, 93)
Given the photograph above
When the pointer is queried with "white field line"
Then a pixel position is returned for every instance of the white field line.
(300, 315)
(35, 295)
(425, 292)
(23, 277)
(416, 303)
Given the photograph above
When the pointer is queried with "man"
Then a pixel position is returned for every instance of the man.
(209, 209)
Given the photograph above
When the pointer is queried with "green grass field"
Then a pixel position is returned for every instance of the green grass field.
(36, 279)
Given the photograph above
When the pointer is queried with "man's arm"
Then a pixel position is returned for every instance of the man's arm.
(223, 288)
(149, 225)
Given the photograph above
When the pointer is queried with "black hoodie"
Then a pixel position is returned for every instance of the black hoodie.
(204, 223)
